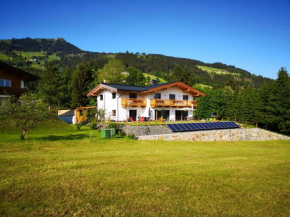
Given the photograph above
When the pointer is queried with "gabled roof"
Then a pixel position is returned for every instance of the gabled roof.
(8, 70)
(143, 89)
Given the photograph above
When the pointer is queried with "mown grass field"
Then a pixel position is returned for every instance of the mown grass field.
(61, 173)
(153, 77)
(217, 71)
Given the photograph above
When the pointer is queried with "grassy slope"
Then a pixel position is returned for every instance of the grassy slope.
(59, 172)
(217, 71)
(4, 57)
(153, 77)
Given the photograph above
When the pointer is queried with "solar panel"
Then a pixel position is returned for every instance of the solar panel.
(202, 126)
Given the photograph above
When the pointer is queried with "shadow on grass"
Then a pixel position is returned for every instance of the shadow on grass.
(65, 137)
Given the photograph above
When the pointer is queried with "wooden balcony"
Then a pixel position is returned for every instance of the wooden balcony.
(11, 91)
(133, 102)
(172, 103)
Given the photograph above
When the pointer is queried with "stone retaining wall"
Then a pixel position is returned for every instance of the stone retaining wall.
(253, 134)
(145, 130)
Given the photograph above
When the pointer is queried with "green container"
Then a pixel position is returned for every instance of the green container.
(113, 132)
(106, 133)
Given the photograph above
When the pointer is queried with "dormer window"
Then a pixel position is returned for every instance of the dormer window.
(5, 83)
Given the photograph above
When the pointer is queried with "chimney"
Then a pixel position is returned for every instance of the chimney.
(154, 82)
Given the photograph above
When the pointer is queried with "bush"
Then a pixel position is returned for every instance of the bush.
(122, 133)
(112, 125)
(79, 125)
(131, 136)
(92, 125)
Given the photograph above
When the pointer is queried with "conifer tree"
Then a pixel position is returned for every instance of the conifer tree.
(80, 86)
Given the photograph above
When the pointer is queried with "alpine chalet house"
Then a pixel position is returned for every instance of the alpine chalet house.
(12, 81)
(171, 101)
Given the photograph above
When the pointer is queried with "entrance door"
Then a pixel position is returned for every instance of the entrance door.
(133, 114)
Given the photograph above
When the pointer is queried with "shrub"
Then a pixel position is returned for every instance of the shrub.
(122, 133)
(131, 136)
(112, 125)
(92, 125)
(78, 125)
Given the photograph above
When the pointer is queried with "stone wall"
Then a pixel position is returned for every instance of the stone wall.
(253, 134)
(145, 130)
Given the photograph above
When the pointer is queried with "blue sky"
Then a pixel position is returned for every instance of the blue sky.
(252, 35)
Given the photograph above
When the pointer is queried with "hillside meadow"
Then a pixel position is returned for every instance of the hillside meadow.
(60, 172)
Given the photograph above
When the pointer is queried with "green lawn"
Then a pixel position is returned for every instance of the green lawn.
(216, 71)
(61, 173)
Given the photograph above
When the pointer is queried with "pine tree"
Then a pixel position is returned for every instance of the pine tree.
(64, 89)
(49, 85)
(282, 104)
(80, 86)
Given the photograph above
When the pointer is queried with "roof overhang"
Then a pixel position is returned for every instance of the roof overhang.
(94, 92)
(12, 71)
(185, 88)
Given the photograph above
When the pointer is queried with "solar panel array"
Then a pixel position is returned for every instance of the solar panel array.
(202, 126)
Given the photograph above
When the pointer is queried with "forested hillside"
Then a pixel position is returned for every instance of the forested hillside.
(34, 54)
(68, 74)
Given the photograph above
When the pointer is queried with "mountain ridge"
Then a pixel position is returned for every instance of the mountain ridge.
(66, 54)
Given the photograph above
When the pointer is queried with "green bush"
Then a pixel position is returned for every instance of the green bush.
(112, 125)
(131, 136)
(92, 125)
(122, 133)
(79, 125)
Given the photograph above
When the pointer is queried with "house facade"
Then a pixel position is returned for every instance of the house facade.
(12, 81)
(169, 101)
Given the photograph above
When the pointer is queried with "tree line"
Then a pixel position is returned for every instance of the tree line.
(268, 106)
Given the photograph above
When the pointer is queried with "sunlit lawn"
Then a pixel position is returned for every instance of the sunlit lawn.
(61, 173)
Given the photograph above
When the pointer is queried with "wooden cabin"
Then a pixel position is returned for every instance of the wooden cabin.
(12, 80)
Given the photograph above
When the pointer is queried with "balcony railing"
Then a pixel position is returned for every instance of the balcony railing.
(133, 102)
(11, 91)
(172, 103)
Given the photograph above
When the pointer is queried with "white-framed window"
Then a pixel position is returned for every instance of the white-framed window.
(113, 95)
(113, 112)
(5, 83)
(101, 97)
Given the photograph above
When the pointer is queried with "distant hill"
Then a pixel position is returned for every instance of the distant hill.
(33, 54)
(36, 45)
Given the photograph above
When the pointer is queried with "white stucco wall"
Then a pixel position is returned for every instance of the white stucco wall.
(109, 104)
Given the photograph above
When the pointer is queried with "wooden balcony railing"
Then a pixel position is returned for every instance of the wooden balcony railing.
(11, 91)
(172, 103)
(133, 102)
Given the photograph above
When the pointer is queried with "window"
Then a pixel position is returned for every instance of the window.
(5, 83)
(157, 95)
(171, 96)
(101, 97)
(113, 112)
(185, 97)
(113, 95)
(132, 95)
